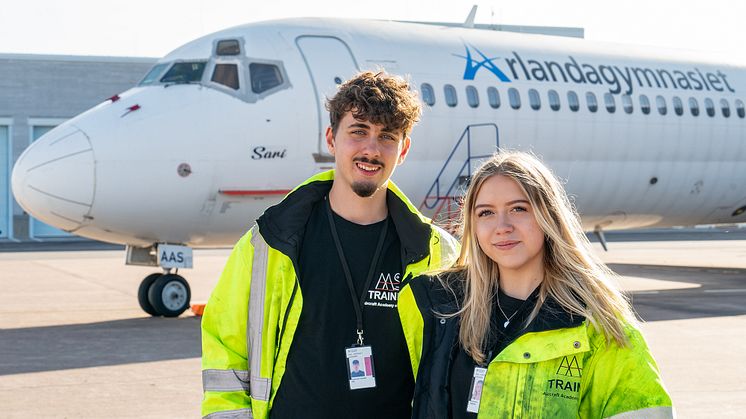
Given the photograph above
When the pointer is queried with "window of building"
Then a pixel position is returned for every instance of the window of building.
(609, 102)
(554, 100)
(678, 106)
(644, 104)
(693, 106)
(627, 104)
(534, 100)
(709, 107)
(572, 101)
(590, 98)
(514, 97)
(428, 94)
(725, 108)
(472, 96)
(740, 110)
(228, 47)
(450, 93)
(493, 96)
(186, 72)
(660, 103)
(264, 77)
(226, 74)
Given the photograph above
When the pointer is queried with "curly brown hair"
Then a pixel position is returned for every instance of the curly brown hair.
(379, 98)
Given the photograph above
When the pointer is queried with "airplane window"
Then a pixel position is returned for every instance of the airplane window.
(228, 47)
(678, 107)
(710, 107)
(572, 101)
(534, 99)
(644, 104)
(627, 103)
(428, 94)
(264, 77)
(514, 97)
(609, 102)
(693, 106)
(592, 103)
(493, 96)
(554, 100)
(740, 109)
(472, 96)
(153, 74)
(725, 108)
(451, 98)
(660, 102)
(226, 74)
(186, 72)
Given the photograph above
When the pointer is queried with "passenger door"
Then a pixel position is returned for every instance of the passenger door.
(329, 62)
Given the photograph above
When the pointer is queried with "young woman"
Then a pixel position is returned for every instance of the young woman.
(528, 323)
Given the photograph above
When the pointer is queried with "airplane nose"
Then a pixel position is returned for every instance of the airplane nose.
(54, 179)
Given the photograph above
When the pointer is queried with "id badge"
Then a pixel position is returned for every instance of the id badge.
(360, 370)
(475, 391)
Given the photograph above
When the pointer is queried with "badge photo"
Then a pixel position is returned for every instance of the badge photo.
(360, 370)
(475, 390)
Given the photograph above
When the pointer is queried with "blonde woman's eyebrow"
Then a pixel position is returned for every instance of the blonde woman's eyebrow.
(518, 201)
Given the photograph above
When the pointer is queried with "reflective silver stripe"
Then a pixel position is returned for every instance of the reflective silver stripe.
(448, 248)
(660, 412)
(260, 387)
(231, 414)
(225, 380)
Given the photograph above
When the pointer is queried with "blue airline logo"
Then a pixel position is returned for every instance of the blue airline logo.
(618, 79)
(472, 65)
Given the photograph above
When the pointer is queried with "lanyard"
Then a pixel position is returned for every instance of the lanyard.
(343, 260)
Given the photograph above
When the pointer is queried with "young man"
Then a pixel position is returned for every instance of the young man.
(315, 283)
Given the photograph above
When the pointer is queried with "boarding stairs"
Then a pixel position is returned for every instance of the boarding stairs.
(444, 199)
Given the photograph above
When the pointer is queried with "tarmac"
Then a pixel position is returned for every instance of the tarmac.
(75, 344)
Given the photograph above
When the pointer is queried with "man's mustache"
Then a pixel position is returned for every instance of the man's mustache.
(369, 161)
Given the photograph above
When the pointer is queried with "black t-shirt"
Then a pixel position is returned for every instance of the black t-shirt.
(315, 383)
(462, 369)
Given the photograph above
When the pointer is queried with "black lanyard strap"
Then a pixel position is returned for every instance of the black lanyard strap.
(357, 304)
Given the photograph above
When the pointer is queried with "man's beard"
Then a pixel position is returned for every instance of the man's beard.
(364, 189)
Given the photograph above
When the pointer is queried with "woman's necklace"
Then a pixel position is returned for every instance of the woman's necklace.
(507, 319)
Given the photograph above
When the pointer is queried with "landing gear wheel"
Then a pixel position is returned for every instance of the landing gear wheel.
(142, 293)
(170, 295)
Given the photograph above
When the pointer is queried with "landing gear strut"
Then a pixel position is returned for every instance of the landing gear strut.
(165, 294)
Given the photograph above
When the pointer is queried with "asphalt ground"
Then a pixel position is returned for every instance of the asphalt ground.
(75, 344)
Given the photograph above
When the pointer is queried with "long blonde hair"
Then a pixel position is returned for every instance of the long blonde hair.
(573, 276)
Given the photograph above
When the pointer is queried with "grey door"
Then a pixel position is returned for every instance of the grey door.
(4, 183)
(329, 62)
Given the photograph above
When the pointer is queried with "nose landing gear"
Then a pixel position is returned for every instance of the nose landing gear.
(167, 294)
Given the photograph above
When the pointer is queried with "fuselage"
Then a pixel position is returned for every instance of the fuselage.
(195, 153)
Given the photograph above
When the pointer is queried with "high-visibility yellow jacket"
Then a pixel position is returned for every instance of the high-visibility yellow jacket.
(252, 314)
(559, 366)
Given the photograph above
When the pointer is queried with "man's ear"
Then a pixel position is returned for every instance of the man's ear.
(330, 140)
(404, 150)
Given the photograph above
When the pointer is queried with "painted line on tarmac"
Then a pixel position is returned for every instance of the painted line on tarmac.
(727, 290)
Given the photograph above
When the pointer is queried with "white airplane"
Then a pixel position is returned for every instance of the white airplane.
(227, 124)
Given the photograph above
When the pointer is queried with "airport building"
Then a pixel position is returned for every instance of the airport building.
(37, 93)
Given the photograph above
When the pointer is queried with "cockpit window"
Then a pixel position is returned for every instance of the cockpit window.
(264, 77)
(226, 74)
(228, 47)
(152, 76)
(186, 72)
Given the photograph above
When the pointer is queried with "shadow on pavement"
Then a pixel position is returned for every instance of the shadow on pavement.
(117, 342)
(722, 292)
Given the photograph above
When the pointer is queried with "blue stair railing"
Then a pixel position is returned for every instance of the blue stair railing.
(443, 199)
